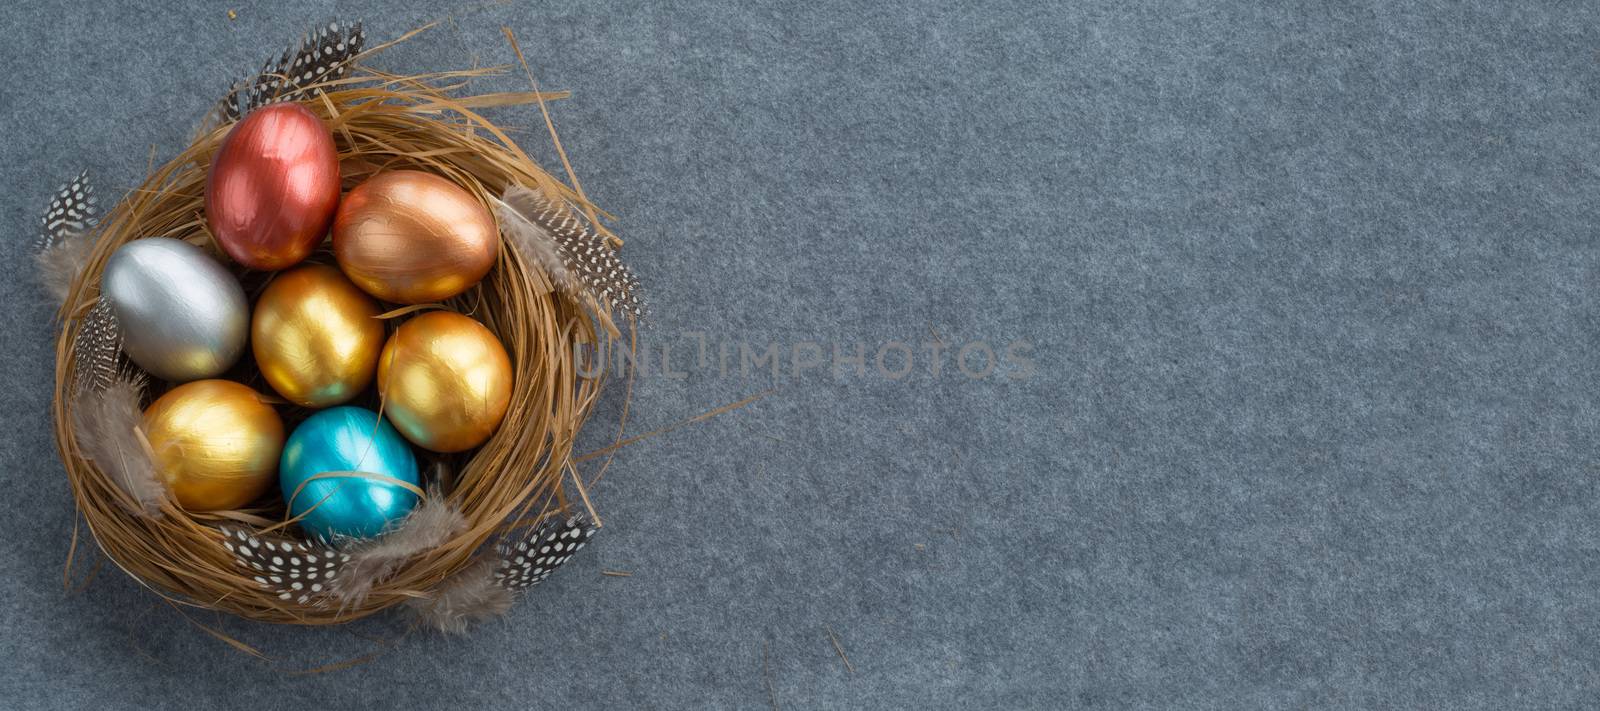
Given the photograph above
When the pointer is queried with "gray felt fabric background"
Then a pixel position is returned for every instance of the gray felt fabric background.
(1290, 306)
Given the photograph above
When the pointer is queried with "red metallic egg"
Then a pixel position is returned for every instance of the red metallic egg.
(273, 187)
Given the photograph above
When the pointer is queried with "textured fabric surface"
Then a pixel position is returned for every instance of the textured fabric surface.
(1291, 308)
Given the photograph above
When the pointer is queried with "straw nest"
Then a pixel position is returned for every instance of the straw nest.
(379, 122)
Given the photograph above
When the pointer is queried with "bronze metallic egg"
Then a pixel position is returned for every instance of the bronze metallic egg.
(412, 237)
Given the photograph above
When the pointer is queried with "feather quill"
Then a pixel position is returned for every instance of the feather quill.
(322, 55)
(470, 596)
(576, 257)
(106, 425)
(431, 524)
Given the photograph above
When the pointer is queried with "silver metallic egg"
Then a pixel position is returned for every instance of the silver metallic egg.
(183, 316)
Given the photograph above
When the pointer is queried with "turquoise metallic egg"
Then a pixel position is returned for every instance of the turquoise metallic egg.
(347, 439)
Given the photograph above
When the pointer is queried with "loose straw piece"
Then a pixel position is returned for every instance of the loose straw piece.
(730, 407)
(555, 140)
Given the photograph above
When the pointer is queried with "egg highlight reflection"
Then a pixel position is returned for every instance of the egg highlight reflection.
(371, 466)
(316, 337)
(445, 381)
(183, 316)
(412, 237)
(216, 444)
(273, 187)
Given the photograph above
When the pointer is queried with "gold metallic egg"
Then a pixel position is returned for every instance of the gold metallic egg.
(216, 444)
(412, 237)
(445, 381)
(316, 336)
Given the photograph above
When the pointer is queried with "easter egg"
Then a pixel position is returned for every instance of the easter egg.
(412, 237)
(216, 444)
(316, 336)
(273, 187)
(348, 473)
(183, 316)
(445, 381)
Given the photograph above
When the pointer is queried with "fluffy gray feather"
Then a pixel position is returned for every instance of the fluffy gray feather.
(470, 596)
(106, 425)
(62, 262)
(432, 523)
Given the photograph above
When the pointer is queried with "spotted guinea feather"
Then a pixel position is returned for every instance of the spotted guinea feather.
(64, 243)
(97, 350)
(527, 562)
(292, 570)
(74, 210)
(323, 54)
(572, 253)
